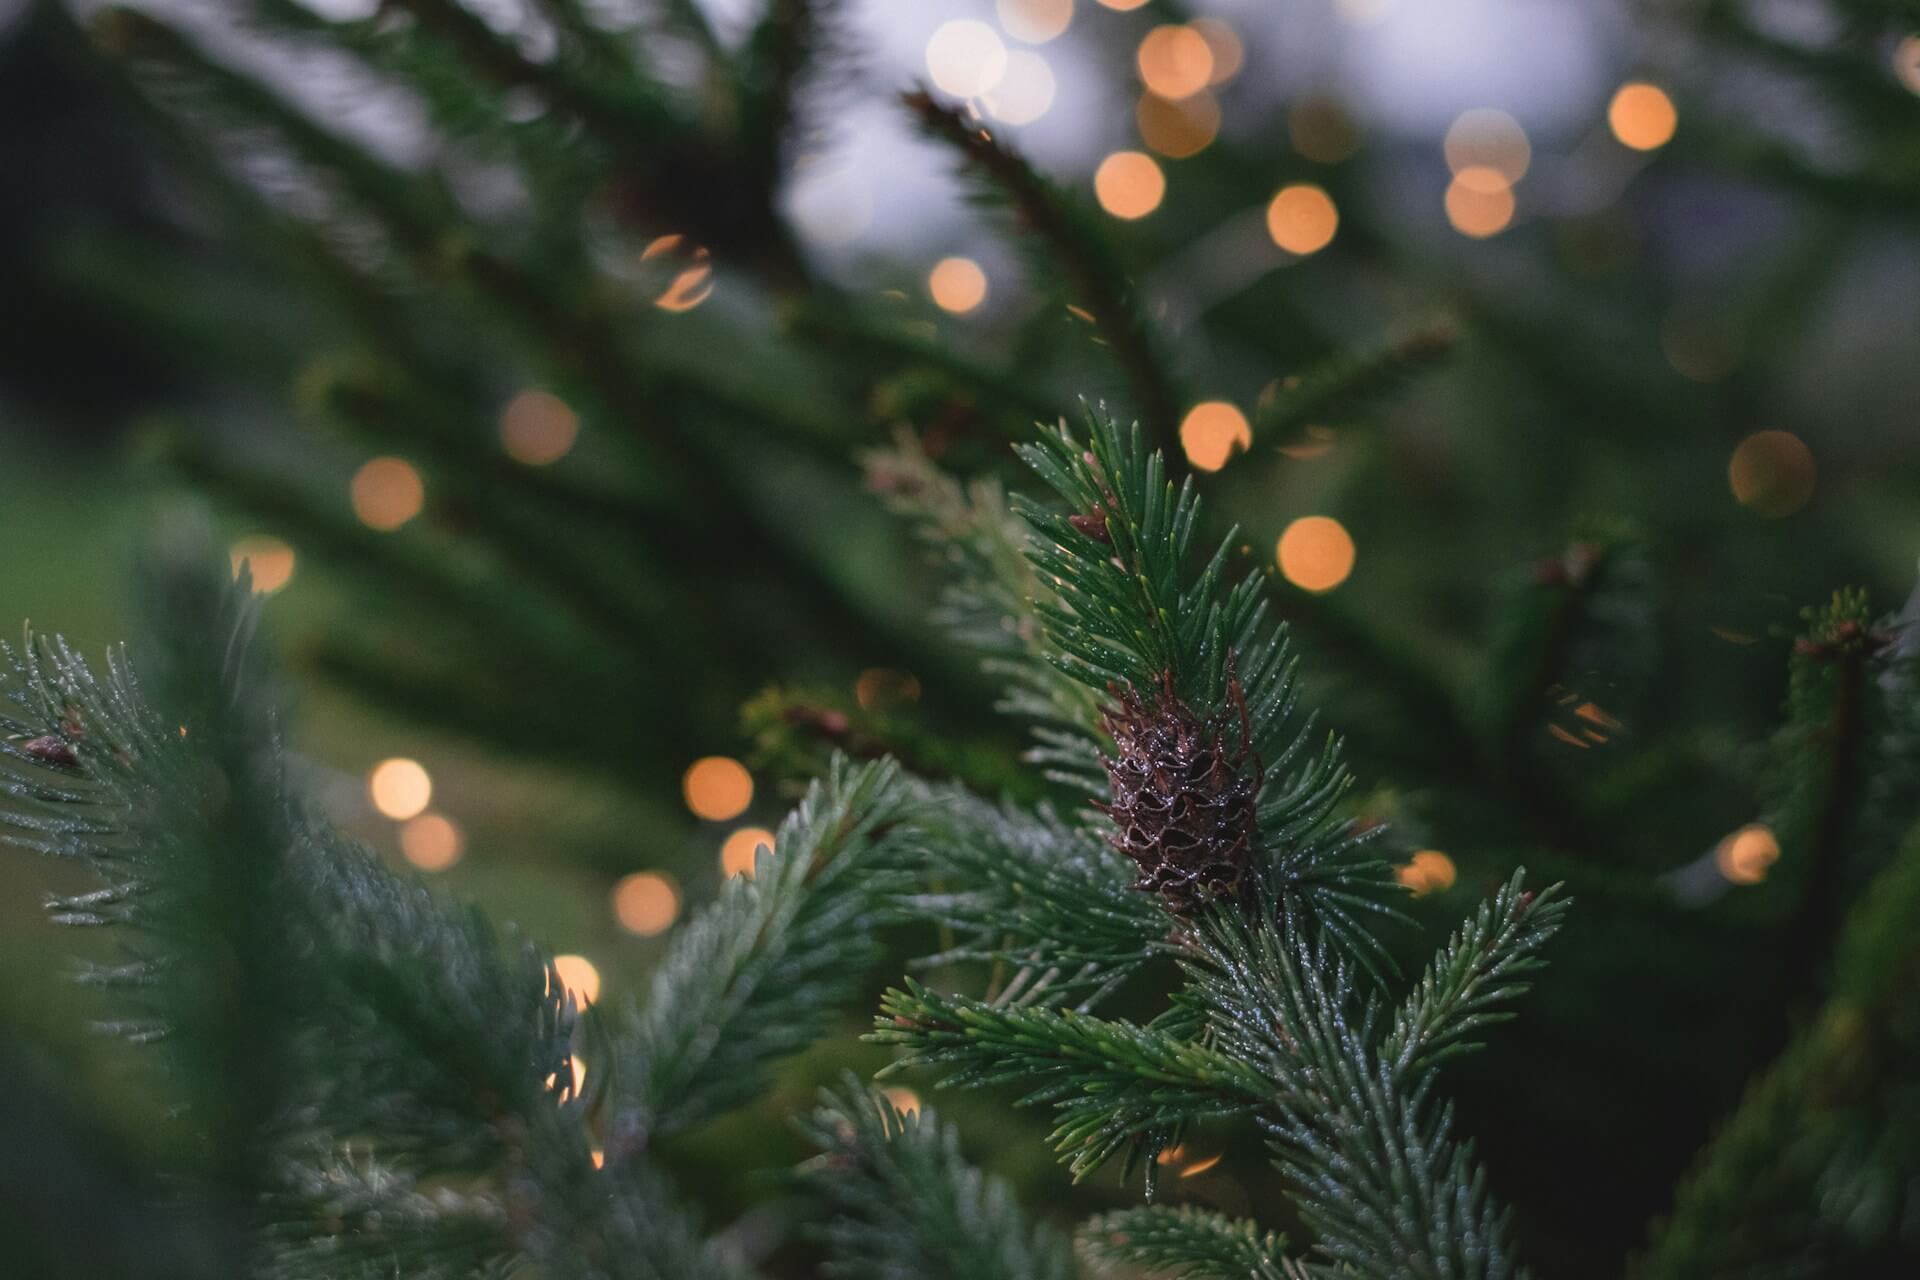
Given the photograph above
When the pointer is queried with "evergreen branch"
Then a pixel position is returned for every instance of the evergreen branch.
(1187, 1243)
(1046, 896)
(1097, 280)
(1353, 382)
(762, 970)
(908, 1206)
(1810, 1173)
(1113, 1085)
(1479, 967)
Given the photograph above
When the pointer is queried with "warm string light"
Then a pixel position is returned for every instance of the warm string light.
(1642, 116)
(538, 428)
(1772, 473)
(1211, 432)
(902, 1099)
(400, 788)
(1129, 184)
(957, 285)
(1180, 129)
(646, 903)
(1174, 61)
(692, 282)
(1025, 92)
(1321, 130)
(742, 849)
(1302, 219)
(1744, 856)
(966, 58)
(431, 842)
(582, 980)
(881, 687)
(1034, 21)
(1223, 42)
(1479, 203)
(1315, 553)
(386, 493)
(1430, 871)
(1488, 152)
(717, 788)
(269, 561)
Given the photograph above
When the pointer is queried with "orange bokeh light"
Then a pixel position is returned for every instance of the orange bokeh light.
(269, 560)
(1210, 433)
(717, 788)
(957, 285)
(1129, 184)
(1744, 856)
(742, 848)
(1479, 203)
(400, 788)
(1642, 116)
(538, 427)
(1316, 553)
(1175, 61)
(1772, 472)
(1178, 129)
(431, 842)
(646, 902)
(1302, 219)
(387, 493)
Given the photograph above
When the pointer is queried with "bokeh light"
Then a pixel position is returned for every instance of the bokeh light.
(1302, 219)
(737, 854)
(1744, 856)
(646, 902)
(1316, 553)
(579, 976)
(1178, 129)
(1430, 871)
(1487, 139)
(1025, 92)
(1772, 473)
(1321, 130)
(538, 428)
(1174, 61)
(1906, 62)
(966, 58)
(717, 788)
(1641, 116)
(1122, 6)
(400, 788)
(269, 560)
(902, 1099)
(880, 687)
(431, 842)
(1229, 55)
(387, 493)
(692, 265)
(1210, 433)
(1479, 203)
(1129, 184)
(1034, 21)
(957, 285)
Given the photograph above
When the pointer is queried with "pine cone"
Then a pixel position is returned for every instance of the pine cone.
(1183, 807)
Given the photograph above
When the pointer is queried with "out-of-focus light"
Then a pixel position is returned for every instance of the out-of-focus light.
(646, 902)
(1229, 55)
(1172, 1154)
(1744, 856)
(1641, 116)
(1772, 473)
(1034, 21)
(717, 788)
(880, 687)
(957, 285)
(1025, 92)
(400, 788)
(1199, 1167)
(902, 1099)
(741, 848)
(1129, 184)
(599, 1158)
(431, 842)
(1479, 204)
(1175, 61)
(578, 975)
(1122, 6)
(692, 283)
(966, 58)
(1316, 553)
(1906, 62)
(1485, 139)
(268, 559)
(1315, 442)
(1210, 433)
(1321, 130)
(1430, 871)
(537, 428)
(387, 493)
(1302, 219)
(1178, 129)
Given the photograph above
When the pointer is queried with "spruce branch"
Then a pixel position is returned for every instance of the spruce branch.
(1353, 382)
(762, 971)
(1114, 1085)
(906, 1204)
(1095, 277)
(1187, 1243)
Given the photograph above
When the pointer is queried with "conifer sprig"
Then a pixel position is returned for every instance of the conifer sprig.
(908, 1206)
(1188, 1243)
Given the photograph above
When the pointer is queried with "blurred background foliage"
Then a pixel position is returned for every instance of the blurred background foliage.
(549, 361)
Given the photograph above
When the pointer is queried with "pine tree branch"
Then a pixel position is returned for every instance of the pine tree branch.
(1093, 272)
(761, 972)
(1352, 382)
(1187, 1243)
(908, 1206)
(1113, 1085)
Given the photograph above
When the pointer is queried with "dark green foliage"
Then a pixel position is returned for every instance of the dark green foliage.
(907, 1206)
(1188, 1243)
